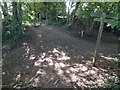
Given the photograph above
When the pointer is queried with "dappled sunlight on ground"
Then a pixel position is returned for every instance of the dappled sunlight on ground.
(110, 58)
(52, 60)
(81, 74)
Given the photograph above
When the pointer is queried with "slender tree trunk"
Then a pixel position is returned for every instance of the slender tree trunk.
(72, 16)
(15, 11)
(15, 16)
(5, 14)
(5, 9)
(20, 17)
(34, 14)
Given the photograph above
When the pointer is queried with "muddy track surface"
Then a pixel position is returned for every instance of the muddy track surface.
(54, 58)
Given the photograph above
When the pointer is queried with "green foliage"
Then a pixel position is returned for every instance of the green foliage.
(53, 22)
(14, 40)
(112, 85)
(115, 23)
(52, 10)
(117, 62)
(12, 37)
(7, 18)
(113, 82)
(110, 8)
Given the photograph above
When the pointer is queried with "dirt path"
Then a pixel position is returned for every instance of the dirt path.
(54, 58)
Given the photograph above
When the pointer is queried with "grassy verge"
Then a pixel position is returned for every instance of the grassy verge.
(12, 40)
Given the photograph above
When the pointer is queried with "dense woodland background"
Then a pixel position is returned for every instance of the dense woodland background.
(74, 17)
(68, 14)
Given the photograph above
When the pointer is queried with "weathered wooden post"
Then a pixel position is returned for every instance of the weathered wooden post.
(99, 38)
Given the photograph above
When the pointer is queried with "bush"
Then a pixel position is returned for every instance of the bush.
(13, 40)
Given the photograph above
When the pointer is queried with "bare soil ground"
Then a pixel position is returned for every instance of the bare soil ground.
(54, 58)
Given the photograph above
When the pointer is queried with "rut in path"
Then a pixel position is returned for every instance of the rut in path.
(54, 58)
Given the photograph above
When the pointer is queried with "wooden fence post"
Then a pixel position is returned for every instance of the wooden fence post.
(99, 38)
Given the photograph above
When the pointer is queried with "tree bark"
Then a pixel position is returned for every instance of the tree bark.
(20, 17)
(5, 9)
(5, 14)
(15, 11)
(34, 15)
(17, 17)
(72, 17)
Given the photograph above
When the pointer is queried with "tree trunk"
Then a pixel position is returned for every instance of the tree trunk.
(15, 11)
(72, 16)
(17, 17)
(5, 14)
(34, 15)
(5, 9)
(20, 17)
